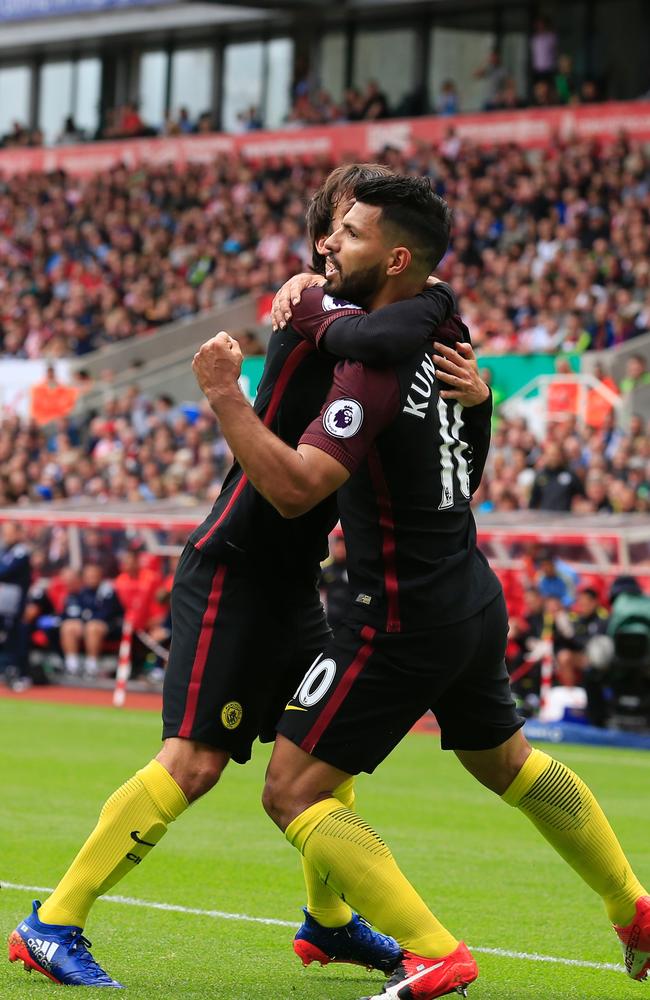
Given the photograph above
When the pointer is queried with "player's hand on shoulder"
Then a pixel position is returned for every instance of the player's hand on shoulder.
(217, 363)
(457, 368)
(289, 296)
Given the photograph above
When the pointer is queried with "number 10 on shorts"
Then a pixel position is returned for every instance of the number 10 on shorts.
(316, 682)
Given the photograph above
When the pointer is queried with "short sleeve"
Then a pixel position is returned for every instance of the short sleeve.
(362, 402)
(316, 310)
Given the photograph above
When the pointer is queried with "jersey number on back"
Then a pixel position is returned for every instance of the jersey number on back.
(453, 463)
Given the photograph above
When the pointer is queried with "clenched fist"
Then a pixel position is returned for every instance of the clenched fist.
(217, 364)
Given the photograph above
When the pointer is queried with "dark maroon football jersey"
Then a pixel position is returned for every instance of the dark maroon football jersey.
(297, 375)
(414, 460)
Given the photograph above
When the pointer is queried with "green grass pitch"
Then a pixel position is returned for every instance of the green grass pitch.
(479, 864)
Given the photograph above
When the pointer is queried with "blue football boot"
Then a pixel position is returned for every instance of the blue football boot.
(60, 953)
(356, 943)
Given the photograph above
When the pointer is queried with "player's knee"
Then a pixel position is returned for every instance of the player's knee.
(497, 768)
(278, 801)
(195, 768)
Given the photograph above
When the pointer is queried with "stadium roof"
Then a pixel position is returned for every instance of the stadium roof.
(55, 23)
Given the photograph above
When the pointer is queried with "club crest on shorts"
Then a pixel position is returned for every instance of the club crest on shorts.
(231, 714)
(343, 418)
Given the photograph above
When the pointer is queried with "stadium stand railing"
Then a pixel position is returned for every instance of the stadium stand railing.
(527, 127)
(615, 358)
(160, 363)
(541, 404)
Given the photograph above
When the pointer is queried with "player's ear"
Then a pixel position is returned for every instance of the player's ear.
(320, 246)
(398, 261)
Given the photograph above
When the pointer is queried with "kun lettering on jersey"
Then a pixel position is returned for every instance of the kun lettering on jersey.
(421, 389)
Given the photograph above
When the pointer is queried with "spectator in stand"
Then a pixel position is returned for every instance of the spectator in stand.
(555, 485)
(70, 134)
(136, 590)
(564, 81)
(554, 579)
(249, 120)
(50, 399)
(543, 94)
(39, 618)
(636, 374)
(205, 123)
(543, 51)
(92, 614)
(572, 634)
(507, 98)
(21, 135)
(15, 575)
(562, 395)
(599, 408)
(129, 122)
(448, 102)
(250, 344)
(495, 75)
(375, 102)
(352, 107)
(523, 641)
(589, 92)
(185, 124)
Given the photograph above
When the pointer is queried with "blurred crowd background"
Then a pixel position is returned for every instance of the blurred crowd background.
(550, 257)
(550, 250)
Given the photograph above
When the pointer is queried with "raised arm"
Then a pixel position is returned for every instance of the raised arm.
(295, 480)
(393, 332)
(379, 338)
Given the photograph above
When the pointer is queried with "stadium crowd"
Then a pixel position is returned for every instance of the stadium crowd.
(550, 251)
(142, 449)
(68, 623)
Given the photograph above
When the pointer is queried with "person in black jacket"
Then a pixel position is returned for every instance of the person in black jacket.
(92, 614)
(555, 485)
(15, 576)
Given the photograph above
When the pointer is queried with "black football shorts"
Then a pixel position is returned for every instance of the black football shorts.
(241, 643)
(369, 688)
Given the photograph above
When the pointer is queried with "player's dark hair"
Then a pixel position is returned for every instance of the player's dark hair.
(412, 210)
(339, 184)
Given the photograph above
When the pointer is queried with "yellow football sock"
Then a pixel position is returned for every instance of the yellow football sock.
(322, 903)
(358, 866)
(566, 813)
(132, 821)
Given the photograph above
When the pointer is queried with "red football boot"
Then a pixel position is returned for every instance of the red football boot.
(635, 940)
(418, 978)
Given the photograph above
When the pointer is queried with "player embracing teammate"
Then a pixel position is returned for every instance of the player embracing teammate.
(229, 677)
(427, 624)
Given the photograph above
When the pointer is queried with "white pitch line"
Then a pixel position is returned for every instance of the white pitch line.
(130, 901)
(534, 957)
(222, 915)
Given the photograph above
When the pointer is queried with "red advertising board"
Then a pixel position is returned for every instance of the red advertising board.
(528, 128)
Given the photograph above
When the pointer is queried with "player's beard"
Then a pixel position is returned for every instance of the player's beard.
(359, 287)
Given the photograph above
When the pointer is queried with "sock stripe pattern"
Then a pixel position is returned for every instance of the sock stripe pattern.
(558, 799)
(565, 812)
(345, 825)
(323, 904)
(356, 863)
